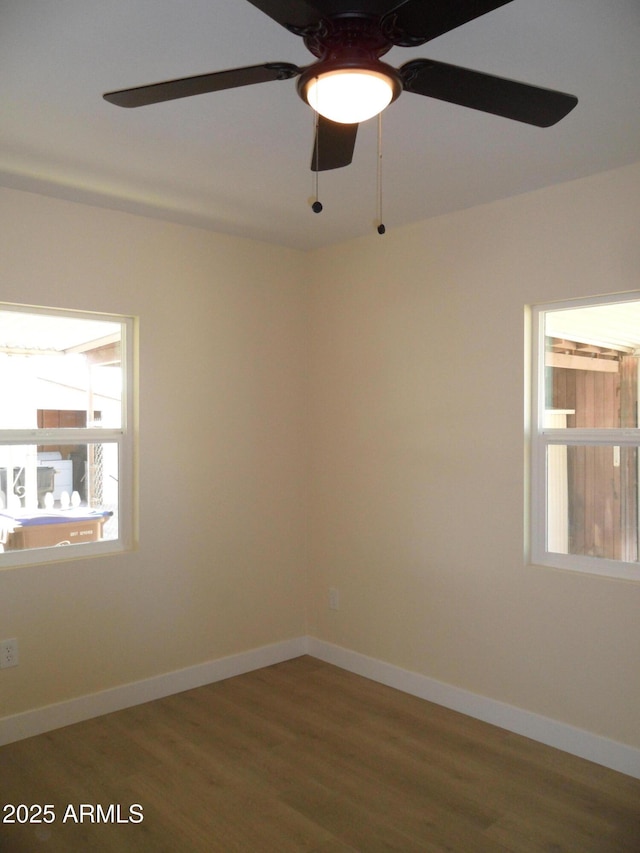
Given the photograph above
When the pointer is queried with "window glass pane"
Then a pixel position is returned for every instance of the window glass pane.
(591, 366)
(592, 501)
(59, 372)
(57, 495)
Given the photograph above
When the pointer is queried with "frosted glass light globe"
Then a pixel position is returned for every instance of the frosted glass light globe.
(349, 96)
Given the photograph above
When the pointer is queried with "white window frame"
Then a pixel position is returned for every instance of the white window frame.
(123, 437)
(541, 437)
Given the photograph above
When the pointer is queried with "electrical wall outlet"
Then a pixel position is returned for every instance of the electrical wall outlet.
(8, 653)
(334, 598)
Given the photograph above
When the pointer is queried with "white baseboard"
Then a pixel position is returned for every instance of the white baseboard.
(49, 717)
(584, 744)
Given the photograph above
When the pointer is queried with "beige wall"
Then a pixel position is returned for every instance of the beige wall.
(411, 413)
(417, 448)
(221, 563)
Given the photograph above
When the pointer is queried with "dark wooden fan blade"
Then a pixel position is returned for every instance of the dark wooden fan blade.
(295, 15)
(334, 145)
(185, 87)
(415, 22)
(300, 15)
(517, 101)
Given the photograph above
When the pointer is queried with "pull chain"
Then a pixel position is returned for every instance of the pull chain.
(316, 205)
(381, 228)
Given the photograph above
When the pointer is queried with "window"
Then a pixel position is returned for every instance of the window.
(66, 434)
(585, 436)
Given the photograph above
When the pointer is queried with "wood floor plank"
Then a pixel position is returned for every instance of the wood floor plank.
(303, 757)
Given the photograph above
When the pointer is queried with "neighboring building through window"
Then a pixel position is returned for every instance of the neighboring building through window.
(585, 436)
(66, 437)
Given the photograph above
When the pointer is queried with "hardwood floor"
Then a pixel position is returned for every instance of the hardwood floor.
(303, 756)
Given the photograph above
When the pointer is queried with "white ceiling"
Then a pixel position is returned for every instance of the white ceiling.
(238, 161)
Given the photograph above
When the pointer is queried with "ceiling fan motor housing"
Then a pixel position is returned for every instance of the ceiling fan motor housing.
(348, 43)
(331, 36)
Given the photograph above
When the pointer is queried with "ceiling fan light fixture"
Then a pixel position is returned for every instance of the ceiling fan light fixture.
(350, 95)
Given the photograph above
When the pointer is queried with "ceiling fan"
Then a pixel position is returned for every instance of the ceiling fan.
(348, 83)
